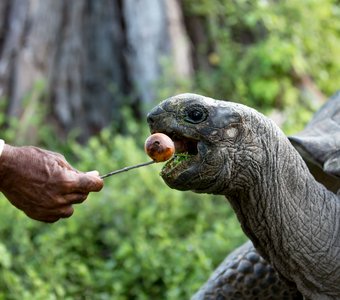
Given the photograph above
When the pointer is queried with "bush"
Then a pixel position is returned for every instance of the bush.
(136, 239)
(260, 52)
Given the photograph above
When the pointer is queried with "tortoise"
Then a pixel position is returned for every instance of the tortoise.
(291, 218)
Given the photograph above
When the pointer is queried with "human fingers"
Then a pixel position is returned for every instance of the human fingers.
(50, 216)
(75, 198)
(66, 211)
(84, 183)
(62, 162)
(45, 217)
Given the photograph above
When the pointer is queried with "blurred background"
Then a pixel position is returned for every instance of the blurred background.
(78, 77)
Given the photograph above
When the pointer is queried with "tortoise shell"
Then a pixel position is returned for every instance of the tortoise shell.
(319, 144)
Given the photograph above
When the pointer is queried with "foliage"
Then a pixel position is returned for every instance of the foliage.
(31, 126)
(262, 53)
(138, 239)
(135, 239)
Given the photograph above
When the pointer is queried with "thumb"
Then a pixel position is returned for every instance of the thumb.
(94, 173)
(89, 182)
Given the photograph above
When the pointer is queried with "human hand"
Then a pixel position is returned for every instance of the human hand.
(42, 183)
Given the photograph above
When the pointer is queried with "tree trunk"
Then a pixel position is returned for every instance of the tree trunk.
(145, 44)
(94, 56)
(180, 44)
(76, 48)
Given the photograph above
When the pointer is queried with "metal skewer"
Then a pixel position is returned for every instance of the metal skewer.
(127, 169)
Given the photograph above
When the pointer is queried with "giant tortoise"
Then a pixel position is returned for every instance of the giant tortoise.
(291, 216)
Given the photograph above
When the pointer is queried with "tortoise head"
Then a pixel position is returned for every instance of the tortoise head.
(215, 141)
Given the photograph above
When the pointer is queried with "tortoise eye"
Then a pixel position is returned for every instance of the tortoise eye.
(195, 114)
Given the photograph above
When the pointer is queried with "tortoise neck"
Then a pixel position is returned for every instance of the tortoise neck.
(291, 218)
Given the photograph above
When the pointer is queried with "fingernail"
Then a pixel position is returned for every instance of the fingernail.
(94, 173)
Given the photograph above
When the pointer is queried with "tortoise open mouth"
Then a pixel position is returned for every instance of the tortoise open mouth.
(185, 153)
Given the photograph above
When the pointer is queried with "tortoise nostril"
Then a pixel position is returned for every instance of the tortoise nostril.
(154, 115)
(150, 119)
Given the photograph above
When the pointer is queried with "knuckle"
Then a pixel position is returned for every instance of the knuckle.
(67, 212)
(51, 220)
(46, 218)
(80, 198)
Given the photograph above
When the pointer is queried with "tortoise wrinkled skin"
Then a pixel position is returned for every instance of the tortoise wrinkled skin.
(291, 219)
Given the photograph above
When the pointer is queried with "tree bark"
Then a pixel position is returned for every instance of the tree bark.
(180, 45)
(147, 41)
(94, 56)
(76, 48)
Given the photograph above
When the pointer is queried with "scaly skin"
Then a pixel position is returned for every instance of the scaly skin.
(245, 275)
(237, 152)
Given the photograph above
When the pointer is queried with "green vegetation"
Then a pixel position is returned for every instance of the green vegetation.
(177, 159)
(135, 239)
(267, 54)
(138, 239)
